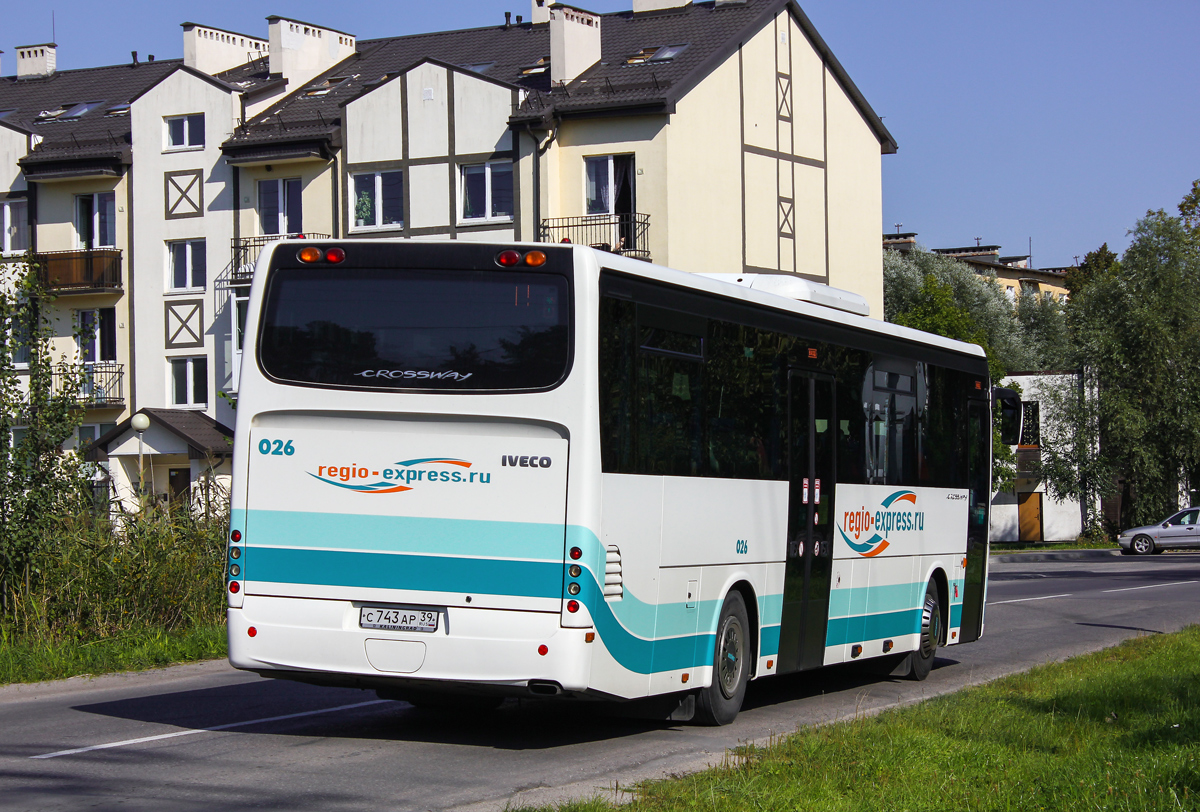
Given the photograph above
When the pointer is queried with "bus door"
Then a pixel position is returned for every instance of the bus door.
(979, 477)
(811, 473)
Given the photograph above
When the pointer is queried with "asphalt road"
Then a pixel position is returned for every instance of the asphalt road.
(205, 736)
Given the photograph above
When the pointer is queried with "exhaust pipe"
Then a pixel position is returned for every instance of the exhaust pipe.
(544, 687)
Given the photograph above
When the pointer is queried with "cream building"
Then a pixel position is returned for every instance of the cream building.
(718, 136)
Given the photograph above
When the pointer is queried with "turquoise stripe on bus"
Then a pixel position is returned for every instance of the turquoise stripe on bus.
(412, 534)
(485, 576)
(769, 642)
(875, 599)
(844, 630)
(956, 615)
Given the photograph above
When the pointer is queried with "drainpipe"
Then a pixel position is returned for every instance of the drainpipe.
(538, 151)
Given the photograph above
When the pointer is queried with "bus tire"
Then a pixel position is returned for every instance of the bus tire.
(931, 634)
(719, 703)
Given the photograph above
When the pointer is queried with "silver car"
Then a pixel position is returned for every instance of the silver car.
(1181, 530)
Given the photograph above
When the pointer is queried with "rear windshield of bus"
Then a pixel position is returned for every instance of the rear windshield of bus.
(443, 330)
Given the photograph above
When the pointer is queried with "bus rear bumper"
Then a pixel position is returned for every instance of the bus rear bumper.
(320, 641)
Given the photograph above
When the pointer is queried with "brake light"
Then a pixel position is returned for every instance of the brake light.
(543, 650)
(233, 587)
(508, 258)
(335, 255)
(572, 606)
(235, 536)
(251, 632)
(576, 553)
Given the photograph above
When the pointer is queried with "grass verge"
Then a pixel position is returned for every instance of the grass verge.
(37, 660)
(1114, 730)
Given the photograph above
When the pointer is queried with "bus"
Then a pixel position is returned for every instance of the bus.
(468, 471)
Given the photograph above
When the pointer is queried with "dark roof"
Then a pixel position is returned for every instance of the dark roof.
(204, 436)
(712, 34)
(95, 134)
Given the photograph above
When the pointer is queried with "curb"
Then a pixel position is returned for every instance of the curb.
(1057, 555)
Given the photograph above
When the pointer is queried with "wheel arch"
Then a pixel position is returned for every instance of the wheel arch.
(942, 583)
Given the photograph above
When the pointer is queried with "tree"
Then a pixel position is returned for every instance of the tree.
(1189, 209)
(1046, 341)
(1137, 414)
(1096, 264)
(39, 411)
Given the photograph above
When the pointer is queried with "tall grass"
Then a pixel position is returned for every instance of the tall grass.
(99, 590)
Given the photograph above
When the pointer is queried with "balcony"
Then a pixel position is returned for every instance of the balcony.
(245, 251)
(624, 234)
(103, 385)
(94, 270)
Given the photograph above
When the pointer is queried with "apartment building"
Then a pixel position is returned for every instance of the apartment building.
(718, 136)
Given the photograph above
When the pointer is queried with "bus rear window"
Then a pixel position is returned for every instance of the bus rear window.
(416, 329)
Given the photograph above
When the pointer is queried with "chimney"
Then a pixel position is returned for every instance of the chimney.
(541, 12)
(211, 50)
(508, 19)
(574, 42)
(302, 51)
(656, 5)
(36, 60)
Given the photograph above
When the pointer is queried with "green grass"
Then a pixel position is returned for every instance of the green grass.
(38, 659)
(1082, 543)
(1115, 730)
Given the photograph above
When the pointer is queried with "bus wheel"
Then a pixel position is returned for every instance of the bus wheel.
(719, 703)
(931, 634)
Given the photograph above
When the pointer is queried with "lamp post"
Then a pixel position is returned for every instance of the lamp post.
(140, 423)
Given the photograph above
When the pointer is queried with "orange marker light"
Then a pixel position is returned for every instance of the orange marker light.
(684, 678)
(770, 663)
(535, 258)
(310, 254)
(589, 637)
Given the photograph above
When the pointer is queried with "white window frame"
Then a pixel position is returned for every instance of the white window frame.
(191, 270)
(240, 297)
(8, 221)
(612, 198)
(281, 198)
(189, 128)
(191, 382)
(95, 196)
(462, 195)
(93, 341)
(352, 200)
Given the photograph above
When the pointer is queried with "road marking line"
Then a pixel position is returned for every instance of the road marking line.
(1151, 586)
(1022, 600)
(229, 726)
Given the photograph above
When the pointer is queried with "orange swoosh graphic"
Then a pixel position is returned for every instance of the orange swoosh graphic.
(876, 551)
(396, 489)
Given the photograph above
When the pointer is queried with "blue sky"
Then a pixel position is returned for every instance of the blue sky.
(1060, 122)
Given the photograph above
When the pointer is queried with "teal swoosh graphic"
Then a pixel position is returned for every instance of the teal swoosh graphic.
(887, 503)
(861, 547)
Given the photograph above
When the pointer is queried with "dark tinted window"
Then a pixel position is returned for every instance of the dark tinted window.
(405, 329)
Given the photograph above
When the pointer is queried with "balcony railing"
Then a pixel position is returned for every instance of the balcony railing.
(87, 270)
(102, 386)
(245, 254)
(625, 234)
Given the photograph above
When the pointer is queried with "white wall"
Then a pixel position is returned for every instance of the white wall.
(178, 94)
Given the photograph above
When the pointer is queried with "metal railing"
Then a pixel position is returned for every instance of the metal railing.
(84, 271)
(245, 251)
(102, 385)
(625, 234)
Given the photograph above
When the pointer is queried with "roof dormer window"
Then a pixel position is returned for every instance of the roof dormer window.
(541, 66)
(656, 53)
(78, 111)
(321, 88)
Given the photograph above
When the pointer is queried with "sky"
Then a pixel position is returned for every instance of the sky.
(1056, 124)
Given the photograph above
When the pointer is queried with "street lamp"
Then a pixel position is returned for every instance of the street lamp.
(140, 423)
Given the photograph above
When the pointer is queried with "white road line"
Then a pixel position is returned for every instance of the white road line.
(229, 726)
(1150, 586)
(1022, 600)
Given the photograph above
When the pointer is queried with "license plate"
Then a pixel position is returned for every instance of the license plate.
(398, 620)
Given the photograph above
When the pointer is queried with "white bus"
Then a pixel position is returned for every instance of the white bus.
(477, 471)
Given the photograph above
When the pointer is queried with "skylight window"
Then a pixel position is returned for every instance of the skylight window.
(80, 110)
(51, 114)
(541, 66)
(117, 110)
(4, 113)
(479, 67)
(321, 88)
(656, 53)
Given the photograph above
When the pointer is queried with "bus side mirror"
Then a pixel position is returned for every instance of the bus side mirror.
(1009, 404)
